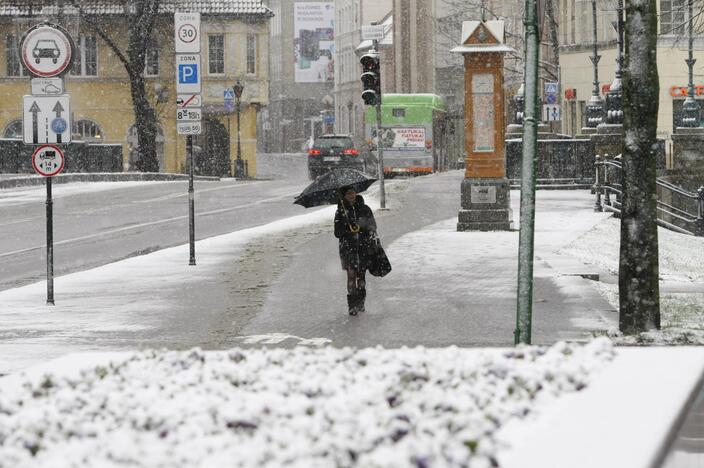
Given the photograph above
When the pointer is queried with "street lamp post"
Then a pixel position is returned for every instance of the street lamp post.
(595, 106)
(239, 164)
(690, 108)
(614, 110)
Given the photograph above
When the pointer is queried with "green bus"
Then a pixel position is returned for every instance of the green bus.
(413, 130)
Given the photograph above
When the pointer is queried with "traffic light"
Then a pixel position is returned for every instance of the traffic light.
(371, 78)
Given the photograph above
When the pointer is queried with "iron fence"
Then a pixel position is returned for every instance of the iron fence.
(677, 209)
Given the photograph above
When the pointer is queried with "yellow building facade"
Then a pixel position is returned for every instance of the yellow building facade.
(577, 71)
(234, 47)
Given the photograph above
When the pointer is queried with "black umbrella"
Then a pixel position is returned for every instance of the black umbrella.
(325, 190)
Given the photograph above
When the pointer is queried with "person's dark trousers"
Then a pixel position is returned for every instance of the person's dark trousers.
(361, 296)
(352, 303)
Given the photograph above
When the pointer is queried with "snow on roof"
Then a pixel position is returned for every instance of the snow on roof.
(494, 27)
(116, 7)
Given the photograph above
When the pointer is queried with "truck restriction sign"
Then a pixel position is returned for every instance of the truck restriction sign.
(48, 160)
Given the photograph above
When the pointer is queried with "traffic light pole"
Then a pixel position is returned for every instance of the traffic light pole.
(379, 145)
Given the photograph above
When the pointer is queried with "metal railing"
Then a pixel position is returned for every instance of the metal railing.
(688, 218)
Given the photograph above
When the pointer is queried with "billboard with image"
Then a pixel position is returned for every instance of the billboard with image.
(313, 41)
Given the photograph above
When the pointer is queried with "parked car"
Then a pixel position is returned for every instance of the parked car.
(331, 151)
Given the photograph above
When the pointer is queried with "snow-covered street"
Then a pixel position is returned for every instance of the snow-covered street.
(270, 284)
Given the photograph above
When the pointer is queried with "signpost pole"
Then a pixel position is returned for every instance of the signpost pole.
(526, 239)
(379, 144)
(191, 202)
(49, 245)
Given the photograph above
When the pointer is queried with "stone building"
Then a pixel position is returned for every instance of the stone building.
(302, 63)
(577, 72)
(351, 15)
(234, 46)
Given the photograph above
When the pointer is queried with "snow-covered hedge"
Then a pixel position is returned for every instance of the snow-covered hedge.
(301, 407)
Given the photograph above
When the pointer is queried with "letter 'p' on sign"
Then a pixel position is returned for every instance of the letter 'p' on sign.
(188, 75)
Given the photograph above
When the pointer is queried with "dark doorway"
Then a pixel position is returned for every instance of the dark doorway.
(211, 150)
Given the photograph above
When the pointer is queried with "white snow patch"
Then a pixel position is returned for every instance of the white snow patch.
(20, 196)
(681, 256)
(303, 407)
(94, 301)
(681, 261)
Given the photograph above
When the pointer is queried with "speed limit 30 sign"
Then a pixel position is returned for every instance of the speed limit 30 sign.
(48, 160)
(187, 29)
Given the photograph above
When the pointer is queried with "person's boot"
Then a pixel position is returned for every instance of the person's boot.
(352, 304)
(362, 295)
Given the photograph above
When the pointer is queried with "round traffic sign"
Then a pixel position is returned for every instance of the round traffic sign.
(48, 160)
(58, 125)
(46, 50)
(187, 33)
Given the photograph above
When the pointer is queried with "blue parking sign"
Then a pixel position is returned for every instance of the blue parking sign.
(188, 73)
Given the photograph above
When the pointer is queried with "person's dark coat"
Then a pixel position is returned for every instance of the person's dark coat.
(355, 246)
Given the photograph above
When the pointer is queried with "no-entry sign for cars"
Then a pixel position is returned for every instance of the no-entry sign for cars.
(48, 160)
(46, 50)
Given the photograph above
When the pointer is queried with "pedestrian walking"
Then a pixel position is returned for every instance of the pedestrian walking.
(355, 227)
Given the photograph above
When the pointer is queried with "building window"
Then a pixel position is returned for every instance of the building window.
(398, 112)
(216, 54)
(12, 55)
(151, 65)
(13, 130)
(672, 17)
(251, 54)
(86, 61)
(86, 130)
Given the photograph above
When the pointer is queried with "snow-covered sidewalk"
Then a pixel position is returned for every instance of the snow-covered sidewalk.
(157, 300)
(681, 279)
(131, 295)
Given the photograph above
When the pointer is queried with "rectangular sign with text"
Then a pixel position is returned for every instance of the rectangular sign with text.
(373, 32)
(187, 32)
(188, 128)
(188, 73)
(188, 114)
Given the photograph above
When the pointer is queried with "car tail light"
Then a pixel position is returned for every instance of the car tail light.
(313, 152)
(351, 152)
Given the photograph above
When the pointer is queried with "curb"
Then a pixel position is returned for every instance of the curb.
(28, 181)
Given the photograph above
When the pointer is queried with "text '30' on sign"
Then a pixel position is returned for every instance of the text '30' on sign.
(187, 32)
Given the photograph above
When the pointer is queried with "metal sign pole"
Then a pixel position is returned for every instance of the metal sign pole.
(191, 202)
(49, 245)
(524, 312)
(379, 145)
